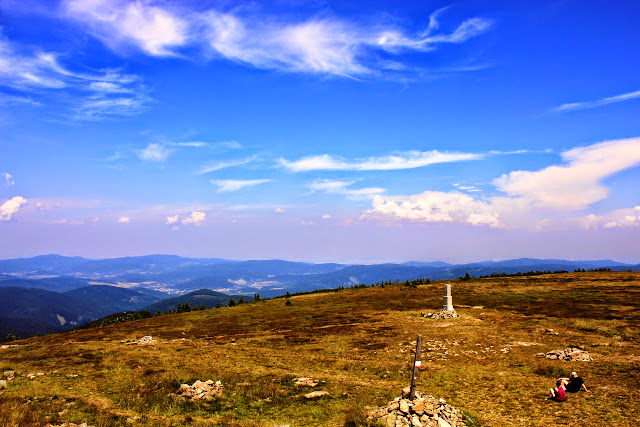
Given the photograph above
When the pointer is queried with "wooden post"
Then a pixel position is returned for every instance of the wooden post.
(416, 367)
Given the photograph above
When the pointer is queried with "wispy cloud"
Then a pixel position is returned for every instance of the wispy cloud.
(327, 45)
(404, 160)
(530, 198)
(224, 145)
(9, 181)
(343, 187)
(124, 220)
(11, 207)
(324, 46)
(223, 164)
(154, 152)
(598, 103)
(153, 29)
(236, 184)
(89, 96)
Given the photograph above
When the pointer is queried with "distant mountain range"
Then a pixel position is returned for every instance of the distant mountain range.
(53, 292)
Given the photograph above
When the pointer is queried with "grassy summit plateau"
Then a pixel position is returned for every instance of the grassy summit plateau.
(357, 344)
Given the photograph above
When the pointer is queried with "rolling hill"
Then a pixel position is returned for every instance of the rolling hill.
(357, 345)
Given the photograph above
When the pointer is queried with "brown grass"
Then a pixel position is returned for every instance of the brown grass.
(358, 342)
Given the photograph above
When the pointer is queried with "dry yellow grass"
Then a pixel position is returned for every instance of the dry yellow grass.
(358, 343)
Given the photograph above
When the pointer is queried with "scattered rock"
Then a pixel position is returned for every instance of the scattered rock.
(147, 339)
(316, 394)
(3, 384)
(305, 382)
(423, 411)
(5, 346)
(571, 353)
(40, 374)
(442, 314)
(9, 375)
(199, 390)
(551, 332)
(31, 376)
(68, 425)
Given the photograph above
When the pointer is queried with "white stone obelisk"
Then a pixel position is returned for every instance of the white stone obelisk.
(448, 299)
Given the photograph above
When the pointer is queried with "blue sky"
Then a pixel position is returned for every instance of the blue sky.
(321, 131)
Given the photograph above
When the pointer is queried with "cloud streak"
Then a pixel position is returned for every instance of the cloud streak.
(404, 160)
(343, 187)
(598, 103)
(227, 185)
(214, 166)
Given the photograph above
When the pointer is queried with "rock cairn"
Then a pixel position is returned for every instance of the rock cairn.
(147, 339)
(68, 425)
(423, 411)
(571, 353)
(305, 382)
(199, 390)
(442, 314)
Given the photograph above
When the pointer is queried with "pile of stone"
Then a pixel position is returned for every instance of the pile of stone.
(305, 382)
(571, 353)
(442, 314)
(199, 390)
(423, 411)
(68, 425)
(148, 339)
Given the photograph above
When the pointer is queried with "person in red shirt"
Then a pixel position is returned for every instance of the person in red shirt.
(558, 392)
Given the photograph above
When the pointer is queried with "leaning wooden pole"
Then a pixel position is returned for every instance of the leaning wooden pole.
(416, 367)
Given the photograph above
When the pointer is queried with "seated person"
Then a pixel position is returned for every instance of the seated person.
(558, 392)
(574, 383)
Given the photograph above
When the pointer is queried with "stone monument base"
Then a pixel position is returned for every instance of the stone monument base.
(442, 314)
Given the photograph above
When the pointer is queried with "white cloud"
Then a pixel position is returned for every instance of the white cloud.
(172, 219)
(577, 184)
(342, 187)
(214, 166)
(224, 145)
(326, 216)
(196, 218)
(154, 153)
(279, 210)
(124, 220)
(90, 96)
(629, 217)
(11, 207)
(154, 30)
(175, 227)
(532, 198)
(99, 107)
(236, 184)
(324, 46)
(435, 206)
(598, 103)
(198, 144)
(8, 179)
(404, 160)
